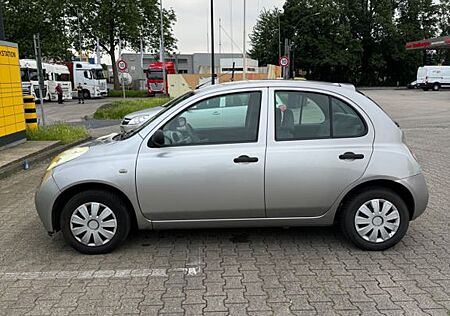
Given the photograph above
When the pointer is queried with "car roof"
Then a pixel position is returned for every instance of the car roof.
(278, 83)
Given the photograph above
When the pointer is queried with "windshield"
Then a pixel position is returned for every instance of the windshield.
(62, 77)
(155, 74)
(97, 74)
(166, 107)
(29, 74)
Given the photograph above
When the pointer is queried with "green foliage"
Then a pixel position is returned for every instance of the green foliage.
(128, 93)
(118, 109)
(127, 20)
(361, 42)
(65, 133)
(23, 18)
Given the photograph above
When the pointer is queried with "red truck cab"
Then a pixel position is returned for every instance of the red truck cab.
(155, 76)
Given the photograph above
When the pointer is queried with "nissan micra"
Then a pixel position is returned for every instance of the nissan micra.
(246, 154)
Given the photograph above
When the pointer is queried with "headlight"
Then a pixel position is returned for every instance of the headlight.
(66, 156)
(139, 119)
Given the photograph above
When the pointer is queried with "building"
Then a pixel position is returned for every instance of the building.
(184, 64)
(226, 65)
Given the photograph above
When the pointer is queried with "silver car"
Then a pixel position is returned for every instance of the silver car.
(246, 154)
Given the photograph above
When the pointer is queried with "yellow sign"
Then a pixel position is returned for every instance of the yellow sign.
(12, 119)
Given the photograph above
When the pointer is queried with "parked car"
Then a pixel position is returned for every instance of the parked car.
(290, 153)
(412, 85)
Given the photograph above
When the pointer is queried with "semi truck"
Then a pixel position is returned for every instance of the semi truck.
(91, 78)
(155, 76)
(58, 74)
(29, 77)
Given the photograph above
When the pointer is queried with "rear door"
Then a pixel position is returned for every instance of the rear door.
(327, 148)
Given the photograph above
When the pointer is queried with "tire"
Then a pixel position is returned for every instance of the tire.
(86, 94)
(351, 214)
(105, 242)
(436, 86)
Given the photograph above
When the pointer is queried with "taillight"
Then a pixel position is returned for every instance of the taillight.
(406, 144)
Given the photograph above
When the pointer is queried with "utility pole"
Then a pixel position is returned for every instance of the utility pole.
(98, 51)
(162, 48)
(37, 52)
(2, 26)
(286, 53)
(213, 70)
(279, 36)
(220, 36)
(244, 54)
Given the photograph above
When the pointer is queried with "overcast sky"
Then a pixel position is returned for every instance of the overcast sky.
(192, 26)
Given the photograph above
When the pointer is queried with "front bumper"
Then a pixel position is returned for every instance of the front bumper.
(44, 199)
(418, 188)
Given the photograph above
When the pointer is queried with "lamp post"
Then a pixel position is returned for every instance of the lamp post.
(161, 50)
(2, 28)
(213, 79)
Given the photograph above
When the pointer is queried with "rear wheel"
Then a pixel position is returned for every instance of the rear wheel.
(86, 94)
(95, 222)
(375, 219)
(436, 86)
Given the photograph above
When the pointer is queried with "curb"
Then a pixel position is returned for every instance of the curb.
(37, 157)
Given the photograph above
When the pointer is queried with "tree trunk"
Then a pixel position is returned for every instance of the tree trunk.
(114, 68)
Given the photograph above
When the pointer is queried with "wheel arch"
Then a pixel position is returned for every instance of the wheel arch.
(68, 193)
(398, 188)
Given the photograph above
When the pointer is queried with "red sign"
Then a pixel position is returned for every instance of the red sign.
(122, 65)
(283, 61)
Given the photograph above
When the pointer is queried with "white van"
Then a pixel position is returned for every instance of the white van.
(433, 77)
(58, 74)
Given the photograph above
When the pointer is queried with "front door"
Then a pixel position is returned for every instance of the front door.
(317, 145)
(210, 166)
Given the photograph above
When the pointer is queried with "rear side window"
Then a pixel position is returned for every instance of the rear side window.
(306, 115)
(346, 122)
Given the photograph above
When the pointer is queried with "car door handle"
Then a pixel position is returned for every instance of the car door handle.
(350, 156)
(245, 158)
(216, 113)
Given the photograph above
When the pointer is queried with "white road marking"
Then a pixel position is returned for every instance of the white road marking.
(97, 274)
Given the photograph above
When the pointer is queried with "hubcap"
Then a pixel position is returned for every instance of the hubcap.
(377, 220)
(93, 224)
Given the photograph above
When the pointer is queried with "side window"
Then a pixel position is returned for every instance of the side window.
(301, 115)
(207, 123)
(87, 74)
(346, 121)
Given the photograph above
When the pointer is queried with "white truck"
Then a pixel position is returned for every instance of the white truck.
(58, 74)
(91, 78)
(29, 77)
(433, 77)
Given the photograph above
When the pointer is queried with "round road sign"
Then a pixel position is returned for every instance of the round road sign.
(283, 61)
(122, 65)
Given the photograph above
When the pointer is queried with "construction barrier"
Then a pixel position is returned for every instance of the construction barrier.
(29, 106)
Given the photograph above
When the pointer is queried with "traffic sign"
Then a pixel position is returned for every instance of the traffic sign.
(122, 65)
(283, 61)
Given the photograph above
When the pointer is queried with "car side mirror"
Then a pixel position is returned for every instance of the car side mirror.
(157, 139)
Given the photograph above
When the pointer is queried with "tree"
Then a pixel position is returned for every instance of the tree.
(23, 18)
(127, 20)
(265, 39)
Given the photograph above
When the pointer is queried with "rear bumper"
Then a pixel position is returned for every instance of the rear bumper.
(418, 188)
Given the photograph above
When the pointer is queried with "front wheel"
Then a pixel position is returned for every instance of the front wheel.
(375, 219)
(95, 222)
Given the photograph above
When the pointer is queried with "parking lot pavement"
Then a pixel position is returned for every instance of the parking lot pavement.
(300, 271)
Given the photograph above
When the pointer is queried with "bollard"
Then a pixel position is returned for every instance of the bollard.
(30, 112)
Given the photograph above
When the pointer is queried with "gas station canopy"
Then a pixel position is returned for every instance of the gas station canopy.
(432, 43)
